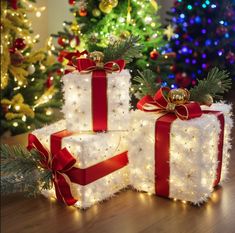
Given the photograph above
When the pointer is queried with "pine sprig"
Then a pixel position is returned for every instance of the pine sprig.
(21, 171)
(145, 84)
(123, 49)
(217, 83)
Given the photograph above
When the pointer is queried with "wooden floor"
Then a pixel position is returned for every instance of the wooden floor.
(128, 212)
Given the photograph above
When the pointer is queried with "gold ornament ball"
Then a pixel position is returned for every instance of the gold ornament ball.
(179, 96)
(207, 100)
(114, 3)
(96, 12)
(124, 35)
(96, 56)
(74, 27)
(105, 7)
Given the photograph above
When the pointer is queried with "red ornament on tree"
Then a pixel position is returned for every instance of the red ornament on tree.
(49, 81)
(158, 79)
(19, 44)
(16, 58)
(230, 57)
(60, 41)
(154, 54)
(82, 12)
(72, 2)
(173, 68)
(221, 30)
(74, 41)
(182, 79)
(230, 13)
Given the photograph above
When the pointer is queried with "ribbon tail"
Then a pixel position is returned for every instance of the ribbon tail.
(63, 192)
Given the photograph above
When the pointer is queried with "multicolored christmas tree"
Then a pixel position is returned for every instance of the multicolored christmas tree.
(28, 76)
(99, 23)
(204, 37)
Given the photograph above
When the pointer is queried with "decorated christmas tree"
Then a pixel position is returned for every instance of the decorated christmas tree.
(204, 38)
(29, 81)
(97, 23)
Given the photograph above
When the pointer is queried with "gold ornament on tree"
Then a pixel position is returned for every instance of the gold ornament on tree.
(96, 12)
(75, 28)
(125, 34)
(106, 6)
(179, 96)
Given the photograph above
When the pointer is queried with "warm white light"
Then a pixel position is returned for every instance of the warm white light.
(24, 118)
(38, 14)
(17, 107)
(15, 124)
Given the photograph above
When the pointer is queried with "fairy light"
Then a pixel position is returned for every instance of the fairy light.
(49, 112)
(15, 124)
(24, 118)
(38, 14)
(17, 107)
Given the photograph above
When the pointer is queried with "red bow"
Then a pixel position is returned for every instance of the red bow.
(87, 65)
(159, 103)
(70, 55)
(61, 164)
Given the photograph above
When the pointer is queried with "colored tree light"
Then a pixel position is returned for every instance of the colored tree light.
(203, 38)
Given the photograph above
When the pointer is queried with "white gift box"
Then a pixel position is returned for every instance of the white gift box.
(90, 149)
(193, 154)
(78, 101)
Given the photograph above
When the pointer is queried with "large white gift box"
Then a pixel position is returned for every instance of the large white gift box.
(192, 168)
(101, 157)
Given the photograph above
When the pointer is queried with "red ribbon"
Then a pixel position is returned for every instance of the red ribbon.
(159, 103)
(162, 154)
(61, 163)
(99, 88)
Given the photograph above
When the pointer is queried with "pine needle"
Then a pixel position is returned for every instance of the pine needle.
(123, 49)
(217, 83)
(21, 171)
(145, 83)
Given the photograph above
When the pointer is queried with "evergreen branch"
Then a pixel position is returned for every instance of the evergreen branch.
(145, 83)
(217, 83)
(123, 49)
(21, 171)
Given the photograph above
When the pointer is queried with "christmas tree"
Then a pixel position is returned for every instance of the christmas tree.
(99, 23)
(204, 38)
(29, 81)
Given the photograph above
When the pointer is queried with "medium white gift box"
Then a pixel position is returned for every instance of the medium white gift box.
(192, 167)
(91, 105)
(95, 153)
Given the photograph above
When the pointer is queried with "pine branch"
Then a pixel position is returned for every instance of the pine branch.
(21, 171)
(145, 84)
(217, 83)
(123, 49)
